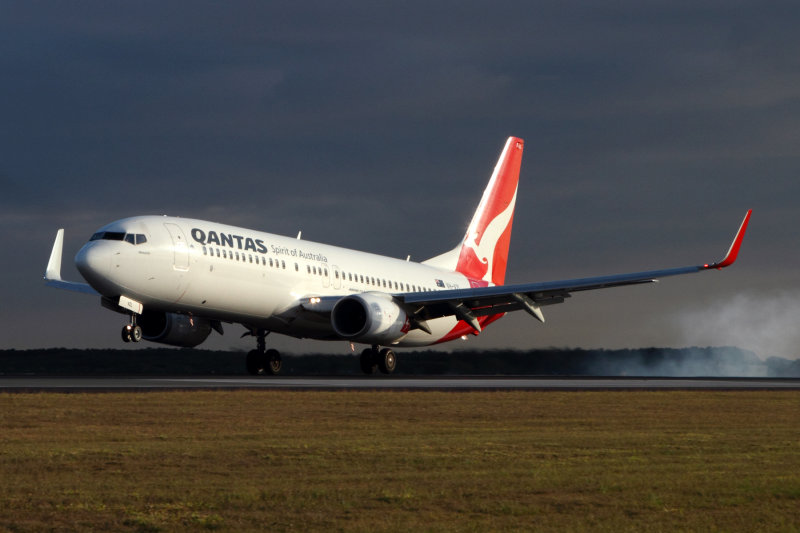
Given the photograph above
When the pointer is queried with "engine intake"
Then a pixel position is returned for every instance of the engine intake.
(370, 317)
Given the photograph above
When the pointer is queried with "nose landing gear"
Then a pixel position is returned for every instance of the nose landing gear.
(262, 361)
(131, 332)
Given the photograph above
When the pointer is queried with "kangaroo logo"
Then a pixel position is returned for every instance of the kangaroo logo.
(478, 251)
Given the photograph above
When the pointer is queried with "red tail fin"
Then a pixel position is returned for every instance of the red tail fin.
(484, 250)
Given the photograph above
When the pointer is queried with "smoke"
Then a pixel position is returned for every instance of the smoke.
(679, 362)
(767, 324)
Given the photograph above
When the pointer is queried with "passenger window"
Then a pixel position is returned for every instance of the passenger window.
(296, 267)
(283, 265)
(204, 251)
(326, 273)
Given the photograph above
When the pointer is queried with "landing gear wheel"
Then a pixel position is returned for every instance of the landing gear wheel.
(262, 361)
(274, 362)
(255, 362)
(130, 331)
(387, 361)
(368, 363)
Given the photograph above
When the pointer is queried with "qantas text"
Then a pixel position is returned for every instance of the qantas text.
(232, 241)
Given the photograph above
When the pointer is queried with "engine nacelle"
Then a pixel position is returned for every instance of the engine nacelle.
(173, 328)
(369, 317)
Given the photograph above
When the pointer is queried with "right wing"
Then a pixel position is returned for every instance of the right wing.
(53, 273)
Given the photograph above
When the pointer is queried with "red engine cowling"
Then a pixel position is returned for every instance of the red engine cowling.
(173, 328)
(370, 317)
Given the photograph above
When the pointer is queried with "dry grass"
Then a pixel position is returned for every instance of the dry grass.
(367, 461)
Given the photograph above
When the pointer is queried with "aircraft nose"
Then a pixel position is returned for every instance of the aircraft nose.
(93, 262)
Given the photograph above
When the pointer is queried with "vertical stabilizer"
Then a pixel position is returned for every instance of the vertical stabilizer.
(483, 254)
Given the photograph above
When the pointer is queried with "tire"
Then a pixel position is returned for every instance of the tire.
(367, 361)
(274, 362)
(387, 361)
(136, 334)
(126, 334)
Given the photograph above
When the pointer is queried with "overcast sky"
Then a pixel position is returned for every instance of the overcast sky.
(650, 128)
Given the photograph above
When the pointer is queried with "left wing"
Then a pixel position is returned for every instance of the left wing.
(468, 304)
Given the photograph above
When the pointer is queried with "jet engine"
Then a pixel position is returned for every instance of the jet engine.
(173, 328)
(373, 318)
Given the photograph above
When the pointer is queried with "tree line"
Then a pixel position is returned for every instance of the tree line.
(646, 362)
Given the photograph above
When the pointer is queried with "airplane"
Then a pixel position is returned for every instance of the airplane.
(179, 279)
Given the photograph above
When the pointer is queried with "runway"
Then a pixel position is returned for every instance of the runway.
(120, 384)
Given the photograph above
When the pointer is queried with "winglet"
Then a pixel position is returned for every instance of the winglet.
(733, 251)
(53, 272)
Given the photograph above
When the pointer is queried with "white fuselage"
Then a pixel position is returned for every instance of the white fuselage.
(232, 274)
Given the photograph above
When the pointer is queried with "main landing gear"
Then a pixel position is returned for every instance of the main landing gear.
(372, 358)
(262, 361)
(131, 332)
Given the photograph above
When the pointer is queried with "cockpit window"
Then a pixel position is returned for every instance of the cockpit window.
(133, 238)
(108, 236)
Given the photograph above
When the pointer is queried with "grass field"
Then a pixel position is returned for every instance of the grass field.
(421, 461)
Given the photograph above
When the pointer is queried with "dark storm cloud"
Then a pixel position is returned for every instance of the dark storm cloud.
(650, 128)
